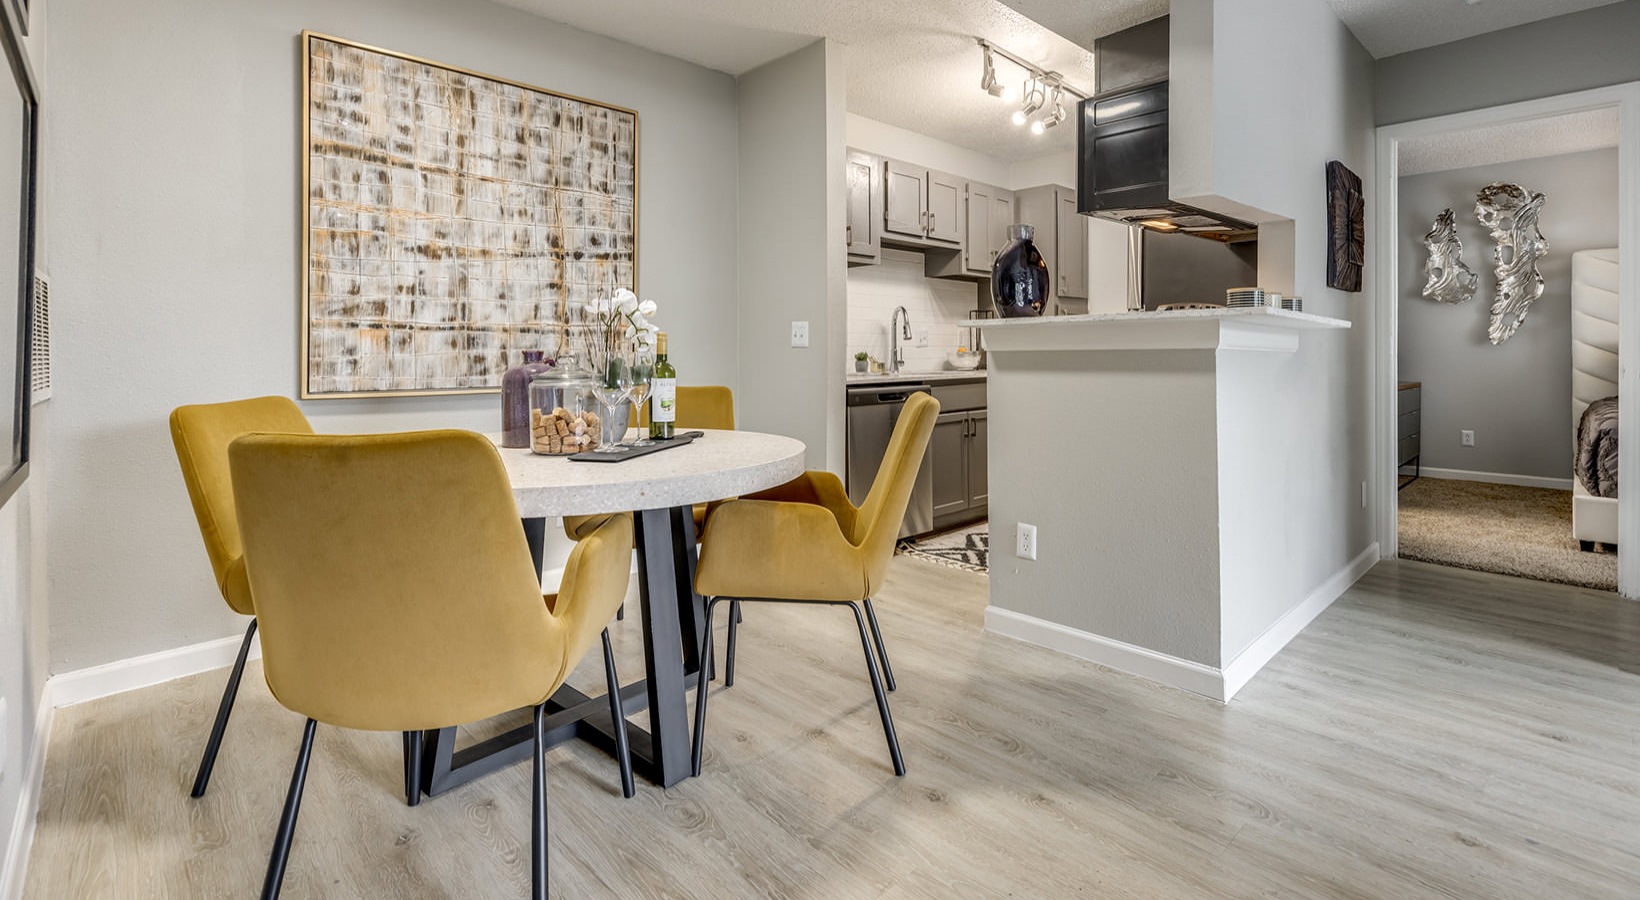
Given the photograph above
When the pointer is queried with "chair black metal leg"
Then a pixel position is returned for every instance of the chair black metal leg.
(877, 688)
(882, 652)
(701, 691)
(412, 768)
(287, 821)
(202, 778)
(620, 613)
(617, 714)
(729, 652)
(538, 818)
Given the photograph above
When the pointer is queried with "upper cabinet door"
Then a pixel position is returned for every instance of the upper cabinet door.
(860, 233)
(976, 239)
(906, 199)
(1002, 217)
(1072, 249)
(944, 207)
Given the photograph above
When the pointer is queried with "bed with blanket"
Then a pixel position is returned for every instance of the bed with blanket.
(1594, 397)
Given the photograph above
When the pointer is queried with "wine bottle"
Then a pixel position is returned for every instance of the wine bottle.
(663, 394)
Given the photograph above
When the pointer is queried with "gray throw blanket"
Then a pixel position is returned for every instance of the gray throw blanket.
(1597, 448)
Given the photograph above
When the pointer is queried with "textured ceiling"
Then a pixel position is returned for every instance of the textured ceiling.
(1388, 27)
(1573, 133)
(914, 63)
(911, 63)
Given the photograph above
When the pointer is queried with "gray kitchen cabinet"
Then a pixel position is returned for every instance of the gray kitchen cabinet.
(1071, 246)
(990, 210)
(923, 207)
(958, 455)
(1061, 237)
(865, 209)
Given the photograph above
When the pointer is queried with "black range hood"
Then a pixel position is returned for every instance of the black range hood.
(1121, 141)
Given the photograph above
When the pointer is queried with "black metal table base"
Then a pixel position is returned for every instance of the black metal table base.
(673, 622)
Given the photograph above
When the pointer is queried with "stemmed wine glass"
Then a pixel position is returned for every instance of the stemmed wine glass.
(612, 384)
(643, 369)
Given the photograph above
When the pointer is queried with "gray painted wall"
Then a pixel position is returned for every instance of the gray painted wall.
(173, 179)
(792, 126)
(1515, 397)
(1575, 52)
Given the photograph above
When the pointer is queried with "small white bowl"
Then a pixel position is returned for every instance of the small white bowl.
(967, 362)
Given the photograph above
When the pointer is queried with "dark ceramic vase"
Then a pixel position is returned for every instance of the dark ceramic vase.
(515, 399)
(1019, 277)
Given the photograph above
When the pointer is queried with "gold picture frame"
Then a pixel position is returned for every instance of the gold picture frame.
(450, 220)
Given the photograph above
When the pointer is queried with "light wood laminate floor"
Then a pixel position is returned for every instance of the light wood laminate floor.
(1436, 733)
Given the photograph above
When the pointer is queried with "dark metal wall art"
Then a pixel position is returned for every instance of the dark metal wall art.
(1346, 228)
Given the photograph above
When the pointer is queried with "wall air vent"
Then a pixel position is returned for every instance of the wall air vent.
(40, 352)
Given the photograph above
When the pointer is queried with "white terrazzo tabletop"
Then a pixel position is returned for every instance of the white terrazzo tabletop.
(720, 464)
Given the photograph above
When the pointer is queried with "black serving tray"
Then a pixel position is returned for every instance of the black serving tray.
(626, 453)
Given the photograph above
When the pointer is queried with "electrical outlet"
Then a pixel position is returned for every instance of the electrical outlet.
(922, 337)
(800, 334)
(1363, 495)
(1466, 438)
(3, 733)
(1025, 541)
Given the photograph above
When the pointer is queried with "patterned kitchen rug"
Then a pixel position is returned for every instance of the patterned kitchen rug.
(967, 548)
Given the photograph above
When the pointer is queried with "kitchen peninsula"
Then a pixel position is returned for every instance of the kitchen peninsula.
(1152, 452)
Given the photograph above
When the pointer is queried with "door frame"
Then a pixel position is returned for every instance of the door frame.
(1386, 305)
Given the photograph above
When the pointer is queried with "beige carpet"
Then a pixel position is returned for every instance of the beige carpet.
(1499, 528)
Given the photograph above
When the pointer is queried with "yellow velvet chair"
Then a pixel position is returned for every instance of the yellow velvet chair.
(396, 592)
(804, 542)
(202, 434)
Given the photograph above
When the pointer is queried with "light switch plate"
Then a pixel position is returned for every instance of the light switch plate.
(800, 334)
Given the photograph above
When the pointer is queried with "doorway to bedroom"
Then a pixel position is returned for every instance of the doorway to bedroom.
(1486, 437)
(1484, 419)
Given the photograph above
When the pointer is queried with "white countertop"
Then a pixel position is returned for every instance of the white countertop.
(1258, 328)
(906, 377)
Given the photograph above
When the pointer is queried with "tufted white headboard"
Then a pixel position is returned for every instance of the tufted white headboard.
(1594, 328)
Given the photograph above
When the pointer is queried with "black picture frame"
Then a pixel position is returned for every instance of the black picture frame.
(1346, 228)
(14, 467)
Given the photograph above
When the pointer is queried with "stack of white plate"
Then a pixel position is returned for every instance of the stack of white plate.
(1244, 297)
(1293, 304)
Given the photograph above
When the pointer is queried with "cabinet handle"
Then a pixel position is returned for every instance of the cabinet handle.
(1063, 284)
(848, 234)
(931, 225)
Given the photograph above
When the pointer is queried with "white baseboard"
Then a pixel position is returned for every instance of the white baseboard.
(1198, 678)
(1265, 647)
(14, 871)
(124, 675)
(1120, 655)
(1537, 481)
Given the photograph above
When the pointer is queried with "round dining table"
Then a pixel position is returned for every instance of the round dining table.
(660, 489)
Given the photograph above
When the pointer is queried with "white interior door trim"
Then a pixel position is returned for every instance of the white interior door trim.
(1386, 312)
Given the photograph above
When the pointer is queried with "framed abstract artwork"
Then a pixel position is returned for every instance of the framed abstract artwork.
(451, 220)
(1346, 228)
(19, 135)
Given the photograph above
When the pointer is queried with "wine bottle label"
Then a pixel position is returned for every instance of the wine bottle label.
(663, 405)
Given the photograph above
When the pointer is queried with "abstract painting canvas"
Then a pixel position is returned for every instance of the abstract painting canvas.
(1346, 228)
(453, 220)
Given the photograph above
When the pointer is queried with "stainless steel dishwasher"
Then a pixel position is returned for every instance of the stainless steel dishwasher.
(872, 412)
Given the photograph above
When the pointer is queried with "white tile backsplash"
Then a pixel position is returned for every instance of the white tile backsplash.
(933, 304)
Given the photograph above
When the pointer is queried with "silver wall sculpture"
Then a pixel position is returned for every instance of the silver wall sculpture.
(1450, 281)
(1510, 212)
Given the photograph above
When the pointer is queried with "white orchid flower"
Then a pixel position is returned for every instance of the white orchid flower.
(626, 302)
(647, 308)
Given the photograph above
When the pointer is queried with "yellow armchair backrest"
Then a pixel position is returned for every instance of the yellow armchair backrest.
(202, 434)
(393, 583)
(878, 523)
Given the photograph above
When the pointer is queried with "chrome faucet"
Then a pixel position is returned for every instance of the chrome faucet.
(896, 356)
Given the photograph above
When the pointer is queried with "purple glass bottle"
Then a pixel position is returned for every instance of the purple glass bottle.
(1019, 277)
(515, 399)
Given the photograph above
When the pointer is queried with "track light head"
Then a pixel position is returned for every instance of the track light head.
(988, 77)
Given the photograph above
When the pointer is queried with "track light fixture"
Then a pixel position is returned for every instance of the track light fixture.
(1041, 90)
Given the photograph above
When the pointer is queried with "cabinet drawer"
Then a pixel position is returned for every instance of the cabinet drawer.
(1406, 450)
(1408, 426)
(1410, 399)
(954, 397)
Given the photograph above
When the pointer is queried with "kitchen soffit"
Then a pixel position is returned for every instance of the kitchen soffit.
(914, 64)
